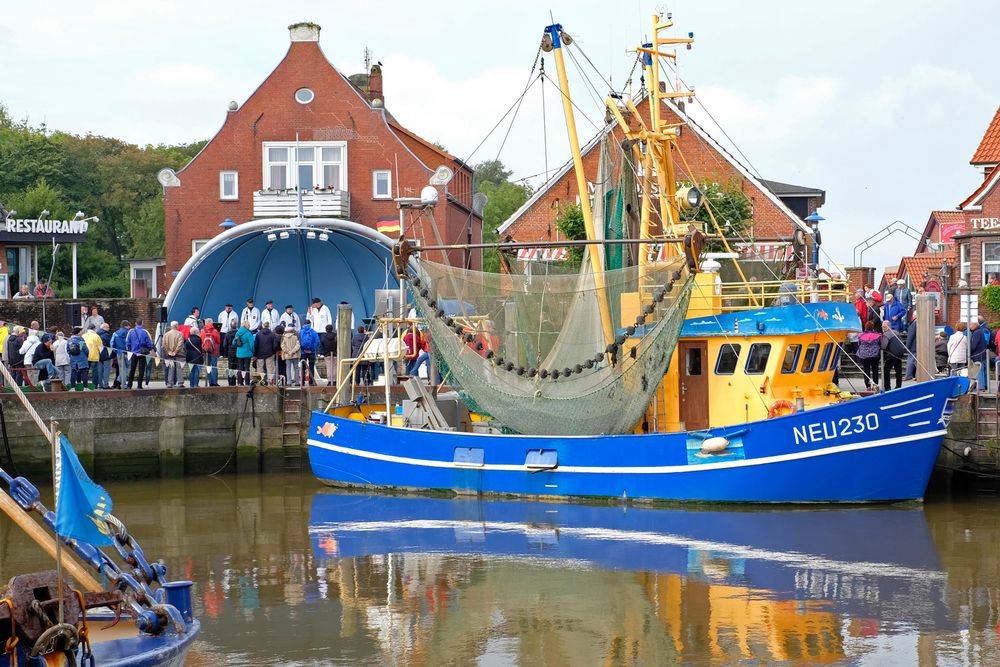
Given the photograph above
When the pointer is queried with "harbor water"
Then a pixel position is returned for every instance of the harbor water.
(288, 572)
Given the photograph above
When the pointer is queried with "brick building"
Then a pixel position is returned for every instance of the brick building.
(959, 252)
(308, 126)
(778, 208)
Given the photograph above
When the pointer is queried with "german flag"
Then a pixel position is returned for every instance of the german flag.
(388, 225)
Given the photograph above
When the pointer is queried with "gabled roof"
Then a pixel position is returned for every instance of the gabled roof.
(937, 217)
(789, 190)
(989, 148)
(705, 136)
(916, 266)
(975, 200)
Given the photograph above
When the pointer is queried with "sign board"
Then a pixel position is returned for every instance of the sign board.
(63, 231)
(985, 224)
(949, 229)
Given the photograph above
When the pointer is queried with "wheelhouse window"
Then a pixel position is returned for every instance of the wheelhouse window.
(757, 358)
(791, 358)
(991, 264)
(229, 185)
(824, 360)
(729, 356)
(318, 164)
(381, 184)
(835, 362)
(809, 360)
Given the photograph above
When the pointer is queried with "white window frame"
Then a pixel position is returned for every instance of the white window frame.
(965, 265)
(222, 186)
(197, 244)
(291, 164)
(375, 174)
(993, 264)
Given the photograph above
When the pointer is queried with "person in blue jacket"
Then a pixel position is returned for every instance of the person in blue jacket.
(309, 343)
(78, 362)
(894, 314)
(244, 342)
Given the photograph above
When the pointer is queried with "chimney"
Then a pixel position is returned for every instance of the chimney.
(304, 32)
(375, 86)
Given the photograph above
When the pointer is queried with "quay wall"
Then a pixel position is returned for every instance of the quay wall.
(165, 432)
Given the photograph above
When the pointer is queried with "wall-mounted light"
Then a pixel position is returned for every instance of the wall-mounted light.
(283, 235)
(272, 237)
(323, 236)
(311, 235)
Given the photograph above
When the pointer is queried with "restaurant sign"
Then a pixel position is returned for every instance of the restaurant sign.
(62, 231)
(985, 224)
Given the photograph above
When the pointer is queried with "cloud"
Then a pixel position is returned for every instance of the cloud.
(923, 86)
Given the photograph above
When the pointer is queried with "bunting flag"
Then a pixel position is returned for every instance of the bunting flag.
(81, 505)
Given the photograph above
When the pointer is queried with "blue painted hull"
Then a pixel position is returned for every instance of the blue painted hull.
(868, 562)
(169, 650)
(876, 449)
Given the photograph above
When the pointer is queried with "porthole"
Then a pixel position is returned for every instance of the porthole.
(304, 95)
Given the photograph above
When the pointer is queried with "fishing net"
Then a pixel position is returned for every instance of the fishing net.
(531, 351)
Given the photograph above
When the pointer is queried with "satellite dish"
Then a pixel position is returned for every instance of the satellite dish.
(429, 195)
(479, 201)
(168, 178)
(442, 176)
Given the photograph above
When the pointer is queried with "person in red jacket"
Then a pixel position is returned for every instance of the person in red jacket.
(211, 343)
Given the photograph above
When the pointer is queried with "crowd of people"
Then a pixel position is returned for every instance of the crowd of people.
(887, 344)
(266, 346)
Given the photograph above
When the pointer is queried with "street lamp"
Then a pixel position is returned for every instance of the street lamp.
(814, 219)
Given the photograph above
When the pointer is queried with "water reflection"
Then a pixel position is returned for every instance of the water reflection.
(286, 570)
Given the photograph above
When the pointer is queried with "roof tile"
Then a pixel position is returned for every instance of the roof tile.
(989, 148)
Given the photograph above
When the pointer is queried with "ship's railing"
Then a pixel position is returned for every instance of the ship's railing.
(763, 293)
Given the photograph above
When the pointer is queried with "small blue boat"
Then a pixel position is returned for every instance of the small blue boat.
(880, 448)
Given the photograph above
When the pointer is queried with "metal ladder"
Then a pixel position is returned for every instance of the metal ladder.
(291, 427)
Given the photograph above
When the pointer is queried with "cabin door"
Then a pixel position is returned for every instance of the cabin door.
(693, 378)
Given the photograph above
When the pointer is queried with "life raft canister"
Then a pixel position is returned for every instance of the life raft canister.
(780, 408)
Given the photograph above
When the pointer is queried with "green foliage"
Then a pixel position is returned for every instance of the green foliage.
(990, 297)
(570, 224)
(101, 176)
(731, 207)
(503, 198)
(115, 287)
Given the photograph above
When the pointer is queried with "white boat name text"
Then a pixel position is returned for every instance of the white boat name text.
(835, 428)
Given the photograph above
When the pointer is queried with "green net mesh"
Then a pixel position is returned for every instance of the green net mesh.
(529, 350)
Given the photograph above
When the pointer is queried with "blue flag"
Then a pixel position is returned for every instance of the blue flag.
(82, 505)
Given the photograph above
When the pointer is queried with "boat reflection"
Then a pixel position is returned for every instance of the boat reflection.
(552, 582)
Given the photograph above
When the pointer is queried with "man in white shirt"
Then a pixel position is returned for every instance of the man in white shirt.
(319, 315)
(227, 320)
(192, 319)
(252, 315)
(290, 319)
(269, 315)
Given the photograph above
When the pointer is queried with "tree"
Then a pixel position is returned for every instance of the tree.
(502, 199)
(570, 224)
(731, 207)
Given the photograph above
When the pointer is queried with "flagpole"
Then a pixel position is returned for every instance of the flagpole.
(56, 471)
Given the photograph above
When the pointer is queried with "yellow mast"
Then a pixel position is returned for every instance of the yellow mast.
(552, 41)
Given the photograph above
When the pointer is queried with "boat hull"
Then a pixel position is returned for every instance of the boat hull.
(876, 449)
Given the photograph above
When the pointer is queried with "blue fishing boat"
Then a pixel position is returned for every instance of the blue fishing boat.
(861, 562)
(641, 374)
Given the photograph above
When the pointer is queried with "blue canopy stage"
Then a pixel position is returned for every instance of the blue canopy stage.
(335, 260)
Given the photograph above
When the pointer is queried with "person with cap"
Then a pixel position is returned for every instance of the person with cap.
(290, 319)
(120, 350)
(43, 361)
(894, 313)
(319, 315)
(270, 315)
(902, 295)
(94, 348)
(174, 356)
(228, 320)
(250, 317)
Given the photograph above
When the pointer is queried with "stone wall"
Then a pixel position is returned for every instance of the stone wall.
(23, 311)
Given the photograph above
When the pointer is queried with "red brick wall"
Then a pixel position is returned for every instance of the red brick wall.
(338, 112)
(538, 222)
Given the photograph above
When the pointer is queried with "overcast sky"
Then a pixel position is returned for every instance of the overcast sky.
(879, 103)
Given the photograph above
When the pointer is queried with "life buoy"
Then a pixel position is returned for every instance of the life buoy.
(780, 408)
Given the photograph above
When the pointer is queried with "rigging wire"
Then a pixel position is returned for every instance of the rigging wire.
(545, 130)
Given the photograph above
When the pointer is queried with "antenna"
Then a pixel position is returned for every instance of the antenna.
(368, 60)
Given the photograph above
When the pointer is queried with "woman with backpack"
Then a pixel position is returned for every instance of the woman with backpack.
(243, 343)
(79, 362)
(194, 356)
(210, 344)
(291, 351)
(869, 353)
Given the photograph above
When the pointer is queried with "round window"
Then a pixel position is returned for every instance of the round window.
(304, 95)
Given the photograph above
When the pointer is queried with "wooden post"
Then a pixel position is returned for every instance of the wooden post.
(925, 337)
(344, 334)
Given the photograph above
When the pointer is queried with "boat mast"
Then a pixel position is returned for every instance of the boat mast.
(552, 41)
